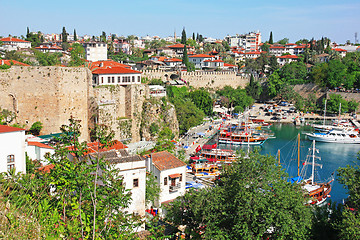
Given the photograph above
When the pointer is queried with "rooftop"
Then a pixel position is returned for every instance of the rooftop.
(165, 160)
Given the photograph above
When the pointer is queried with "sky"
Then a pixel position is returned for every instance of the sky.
(337, 20)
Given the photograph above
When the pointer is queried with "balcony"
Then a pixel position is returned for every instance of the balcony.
(175, 188)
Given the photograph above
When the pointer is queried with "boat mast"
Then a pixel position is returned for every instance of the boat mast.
(325, 112)
(313, 163)
(339, 115)
(279, 155)
(298, 154)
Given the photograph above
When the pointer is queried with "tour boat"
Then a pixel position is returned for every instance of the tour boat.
(335, 136)
(214, 155)
(316, 191)
(205, 170)
(241, 138)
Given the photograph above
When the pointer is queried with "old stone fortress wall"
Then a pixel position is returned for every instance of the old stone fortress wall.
(53, 94)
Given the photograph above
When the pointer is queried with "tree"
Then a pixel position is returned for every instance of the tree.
(336, 73)
(283, 41)
(294, 73)
(36, 128)
(265, 47)
(75, 36)
(271, 41)
(152, 189)
(252, 200)
(202, 99)
(193, 37)
(103, 37)
(64, 35)
(183, 37)
(273, 64)
(253, 89)
(77, 55)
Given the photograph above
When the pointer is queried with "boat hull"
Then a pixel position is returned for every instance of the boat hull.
(329, 139)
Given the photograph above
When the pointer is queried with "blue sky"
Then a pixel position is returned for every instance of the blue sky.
(338, 20)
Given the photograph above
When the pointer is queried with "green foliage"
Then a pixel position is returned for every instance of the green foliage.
(155, 81)
(77, 55)
(64, 35)
(253, 200)
(34, 38)
(253, 89)
(294, 73)
(183, 37)
(154, 129)
(236, 97)
(152, 189)
(283, 41)
(271, 40)
(47, 59)
(265, 47)
(6, 116)
(202, 99)
(36, 128)
(333, 104)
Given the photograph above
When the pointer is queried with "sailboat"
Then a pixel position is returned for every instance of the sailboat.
(317, 192)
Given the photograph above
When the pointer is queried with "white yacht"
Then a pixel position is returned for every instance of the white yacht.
(335, 136)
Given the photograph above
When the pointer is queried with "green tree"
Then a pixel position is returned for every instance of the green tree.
(202, 99)
(183, 37)
(103, 37)
(152, 189)
(274, 84)
(333, 103)
(271, 41)
(35, 128)
(193, 37)
(75, 36)
(64, 35)
(77, 55)
(253, 200)
(265, 47)
(253, 89)
(336, 74)
(6, 116)
(283, 41)
(273, 64)
(294, 73)
(47, 59)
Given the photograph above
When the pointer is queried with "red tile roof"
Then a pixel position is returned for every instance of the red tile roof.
(281, 47)
(50, 47)
(39, 144)
(253, 52)
(165, 160)
(114, 70)
(229, 65)
(12, 62)
(93, 147)
(12, 39)
(288, 56)
(218, 60)
(179, 45)
(339, 50)
(173, 60)
(6, 129)
(47, 168)
(107, 63)
(200, 56)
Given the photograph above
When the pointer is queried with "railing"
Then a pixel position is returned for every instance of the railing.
(175, 187)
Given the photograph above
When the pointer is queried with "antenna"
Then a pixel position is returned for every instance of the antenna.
(356, 39)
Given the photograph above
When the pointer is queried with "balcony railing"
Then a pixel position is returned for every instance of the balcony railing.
(175, 187)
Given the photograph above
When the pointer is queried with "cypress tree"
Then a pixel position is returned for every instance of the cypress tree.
(64, 35)
(27, 32)
(193, 36)
(197, 37)
(185, 58)
(201, 39)
(271, 41)
(75, 37)
(183, 36)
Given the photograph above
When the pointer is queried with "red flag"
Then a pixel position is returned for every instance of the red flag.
(214, 145)
(198, 148)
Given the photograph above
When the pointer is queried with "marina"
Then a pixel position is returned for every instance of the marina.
(333, 155)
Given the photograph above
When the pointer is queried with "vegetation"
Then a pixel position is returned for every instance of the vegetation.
(252, 200)
(77, 55)
(47, 59)
(36, 128)
(237, 98)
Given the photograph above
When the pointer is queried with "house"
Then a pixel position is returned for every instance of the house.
(252, 55)
(300, 49)
(133, 170)
(341, 51)
(178, 49)
(230, 67)
(173, 62)
(12, 149)
(95, 51)
(170, 173)
(37, 151)
(322, 57)
(157, 91)
(49, 48)
(11, 43)
(277, 50)
(282, 60)
(12, 62)
(113, 73)
(250, 41)
(198, 60)
(213, 63)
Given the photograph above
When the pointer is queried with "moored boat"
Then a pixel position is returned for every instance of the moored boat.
(335, 136)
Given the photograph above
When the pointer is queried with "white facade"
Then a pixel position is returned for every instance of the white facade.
(12, 149)
(95, 51)
(157, 91)
(198, 60)
(16, 43)
(249, 41)
(117, 79)
(37, 151)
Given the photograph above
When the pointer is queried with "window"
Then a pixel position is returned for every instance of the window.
(133, 79)
(10, 166)
(108, 79)
(102, 79)
(10, 158)
(180, 180)
(138, 78)
(112, 79)
(165, 181)
(136, 182)
(118, 79)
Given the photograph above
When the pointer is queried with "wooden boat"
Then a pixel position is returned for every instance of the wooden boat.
(241, 138)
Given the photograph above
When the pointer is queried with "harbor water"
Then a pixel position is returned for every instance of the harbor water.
(332, 155)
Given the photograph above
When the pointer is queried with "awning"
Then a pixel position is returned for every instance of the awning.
(176, 175)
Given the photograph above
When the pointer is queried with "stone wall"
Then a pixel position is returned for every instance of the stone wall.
(49, 95)
(215, 80)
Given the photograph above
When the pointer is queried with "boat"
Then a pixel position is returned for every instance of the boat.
(205, 169)
(242, 138)
(211, 153)
(317, 192)
(335, 136)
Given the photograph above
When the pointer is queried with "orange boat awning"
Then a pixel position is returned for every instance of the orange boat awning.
(176, 175)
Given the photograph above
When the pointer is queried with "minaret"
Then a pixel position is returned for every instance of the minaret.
(175, 35)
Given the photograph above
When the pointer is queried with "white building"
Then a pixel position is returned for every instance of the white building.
(37, 151)
(199, 59)
(250, 41)
(157, 91)
(277, 50)
(282, 60)
(49, 48)
(173, 62)
(11, 43)
(213, 63)
(133, 171)
(12, 149)
(95, 51)
(170, 173)
(116, 76)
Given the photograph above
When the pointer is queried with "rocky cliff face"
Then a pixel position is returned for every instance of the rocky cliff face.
(156, 115)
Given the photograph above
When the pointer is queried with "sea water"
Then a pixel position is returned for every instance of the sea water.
(333, 155)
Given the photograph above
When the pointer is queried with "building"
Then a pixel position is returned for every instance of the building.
(252, 54)
(199, 59)
(170, 173)
(217, 63)
(95, 51)
(341, 51)
(116, 76)
(12, 149)
(250, 41)
(157, 91)
(49, 48)
(38, 150)
(11, 43)
(173, 62)
(133, 170)
(277, 50)
(282, 60)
